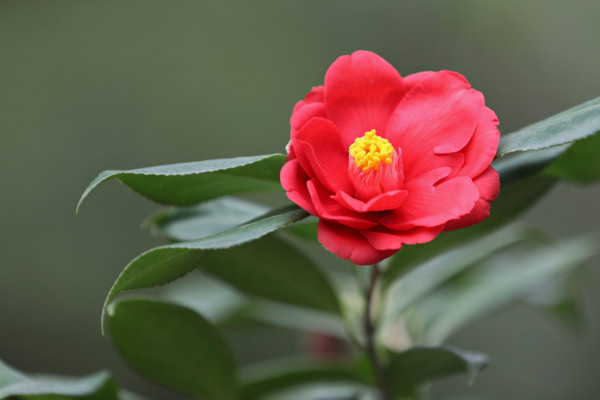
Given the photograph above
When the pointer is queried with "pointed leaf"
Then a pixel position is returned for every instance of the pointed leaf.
(273, 269)
(412, 368)
(173, 346)
(191, 183)
(181, 224)
(167, 263)
(566, 127)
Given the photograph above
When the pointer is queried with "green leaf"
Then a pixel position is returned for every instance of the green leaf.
(566, 127)
(496, 283)
(98, 386)
(166, 263)
(418, 283)
(514, 199)
(580, 162)
(273, 269)
(173, 346)
(191, 183)
(273, 376)
(412, 368)
(181, 224)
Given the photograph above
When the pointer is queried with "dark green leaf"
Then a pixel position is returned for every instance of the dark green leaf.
(173, 346)
(181, 224)
(566, 127)
(274, 376)
(98, 386)
(167, 263)
(191, 183)
(273, 269)
(412, 368)
(580, 162)
(514, 199)
(496, 283)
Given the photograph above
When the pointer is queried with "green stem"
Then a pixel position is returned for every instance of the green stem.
(369, 331)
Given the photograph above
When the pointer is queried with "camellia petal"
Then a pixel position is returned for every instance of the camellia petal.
(330, 209)
(386, 239)
(361, 91)
(488, 184)
(349, 244)
(293, 180)
(385, 201)
(305, 113)
(481, 150)
(319, 149)
(437, 116)
(436, 206)
(385, 161)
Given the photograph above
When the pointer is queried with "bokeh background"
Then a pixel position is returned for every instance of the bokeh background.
(93, 85)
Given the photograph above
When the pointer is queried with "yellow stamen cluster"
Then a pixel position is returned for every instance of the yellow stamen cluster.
(370, 151)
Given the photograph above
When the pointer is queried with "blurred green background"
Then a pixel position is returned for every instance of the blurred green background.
(93, 85)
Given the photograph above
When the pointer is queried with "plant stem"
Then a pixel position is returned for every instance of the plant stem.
(369, 330)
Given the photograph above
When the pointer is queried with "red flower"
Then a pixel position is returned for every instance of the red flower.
(385, 161)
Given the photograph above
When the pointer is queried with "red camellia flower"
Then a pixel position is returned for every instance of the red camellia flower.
(384, 161)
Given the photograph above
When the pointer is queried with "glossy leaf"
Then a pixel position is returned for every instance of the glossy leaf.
(181, 224)
(167, 263)
(580, 162)
(515, 198)
(498, 282)
(98, 386)
(418, 283)
(191, 183)
(408, 370)
(275, 376)
(173, 346)
(568, 126)
(273, 269)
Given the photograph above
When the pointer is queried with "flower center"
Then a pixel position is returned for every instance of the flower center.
(370, 151)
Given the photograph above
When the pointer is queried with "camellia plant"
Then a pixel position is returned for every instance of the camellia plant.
(405, 177)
